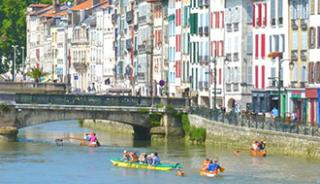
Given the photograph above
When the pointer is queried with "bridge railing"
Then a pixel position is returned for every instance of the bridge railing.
(98, 100)
(255, 121)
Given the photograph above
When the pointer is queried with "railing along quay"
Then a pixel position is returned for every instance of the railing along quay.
(250, 120)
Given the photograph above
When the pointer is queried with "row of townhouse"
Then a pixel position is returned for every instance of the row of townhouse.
(73, 42)
(214, 52)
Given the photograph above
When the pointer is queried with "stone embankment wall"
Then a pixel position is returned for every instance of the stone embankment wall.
(242, 137)
(110, 126)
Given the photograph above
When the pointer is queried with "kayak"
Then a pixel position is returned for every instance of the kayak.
(137, 165)
(258, 153)
(87, 143)
(211, 173)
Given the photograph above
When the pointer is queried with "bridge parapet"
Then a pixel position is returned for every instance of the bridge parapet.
(99, 100)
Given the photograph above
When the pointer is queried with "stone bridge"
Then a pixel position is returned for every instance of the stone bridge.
(31, 109)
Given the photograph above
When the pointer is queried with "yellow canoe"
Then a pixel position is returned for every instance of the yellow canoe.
(136, 165)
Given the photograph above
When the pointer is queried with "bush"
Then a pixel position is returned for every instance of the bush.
(192, 132)
(154, 119)
(4, 107)
(81, 121)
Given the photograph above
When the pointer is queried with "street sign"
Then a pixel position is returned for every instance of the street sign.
(162, 83)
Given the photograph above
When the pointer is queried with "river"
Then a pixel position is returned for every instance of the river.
(35, 158)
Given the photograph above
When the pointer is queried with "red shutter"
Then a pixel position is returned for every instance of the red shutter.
(222, 19)
(254, 15)
(176, 43)
(217, 48)
(263, 46)
(259, 14)
(265, 14)
(218, 19)
(257, 77)
(220, 76)
(257, 46)
(222, 48)
(263, 75)
(178, 69)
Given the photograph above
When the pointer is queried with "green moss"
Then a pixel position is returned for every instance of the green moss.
(81, 121)
(191, 132)
(155, 119)
(144, 110)
(4, 107)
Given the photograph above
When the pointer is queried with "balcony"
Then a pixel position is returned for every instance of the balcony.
(128, 44)
(129, 16)
(228, 55)
(304, 24)
(303, 84)
(142, 19)
(294, 24)
(205, 3)
(228, 87)
(280, 20)
(236, 87)
(114, 18)
(303, 55)
(236, 56)
(229, 27)
(204, 60)
(273, 22)
(201, 31)
(294, 55)
(206, 31)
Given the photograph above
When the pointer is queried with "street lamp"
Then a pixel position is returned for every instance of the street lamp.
(226, 61)
(14, 62)
(278, 55)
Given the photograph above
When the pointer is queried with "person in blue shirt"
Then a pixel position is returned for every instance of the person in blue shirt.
(213, 166)
(156, 159)
(275, 112)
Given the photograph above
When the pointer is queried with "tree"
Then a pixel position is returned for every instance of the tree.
(36, 74)
(13, 26)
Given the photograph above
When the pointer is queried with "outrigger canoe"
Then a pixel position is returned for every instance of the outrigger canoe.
(136, 165)
(258, 153)
(211, 173)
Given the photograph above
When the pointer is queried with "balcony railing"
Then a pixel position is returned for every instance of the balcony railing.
(129, 16)
(294, 55)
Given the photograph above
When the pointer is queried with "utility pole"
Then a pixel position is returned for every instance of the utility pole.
(279, 87)
(23, 59)
(215, 84)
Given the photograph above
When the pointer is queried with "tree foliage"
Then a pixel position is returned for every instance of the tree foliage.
(13, 26)
(36, 74)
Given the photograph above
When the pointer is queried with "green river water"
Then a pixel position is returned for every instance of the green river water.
(35, 158)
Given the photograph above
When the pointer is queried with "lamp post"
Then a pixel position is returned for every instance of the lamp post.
(225, 62)
(14, 62)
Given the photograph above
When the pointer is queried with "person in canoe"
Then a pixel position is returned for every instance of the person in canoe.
(86, 137)
(155, 159)
(205, 164)
(142, 158)
(129, 156)
(93, 139)
(214, 167)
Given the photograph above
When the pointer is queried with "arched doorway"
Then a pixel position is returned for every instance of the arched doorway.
(231, 103)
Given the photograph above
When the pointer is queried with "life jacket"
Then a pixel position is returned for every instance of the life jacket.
(205, 165)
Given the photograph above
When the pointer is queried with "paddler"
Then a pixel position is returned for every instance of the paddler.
(205, 164)
(214, 166)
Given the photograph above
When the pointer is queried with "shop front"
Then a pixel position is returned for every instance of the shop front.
(313, 101)
(297, 104)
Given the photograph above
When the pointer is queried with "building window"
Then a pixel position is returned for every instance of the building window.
(311, 7)
(318, 37)
(312, 36)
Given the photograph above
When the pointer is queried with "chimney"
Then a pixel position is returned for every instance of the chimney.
(55, 4)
